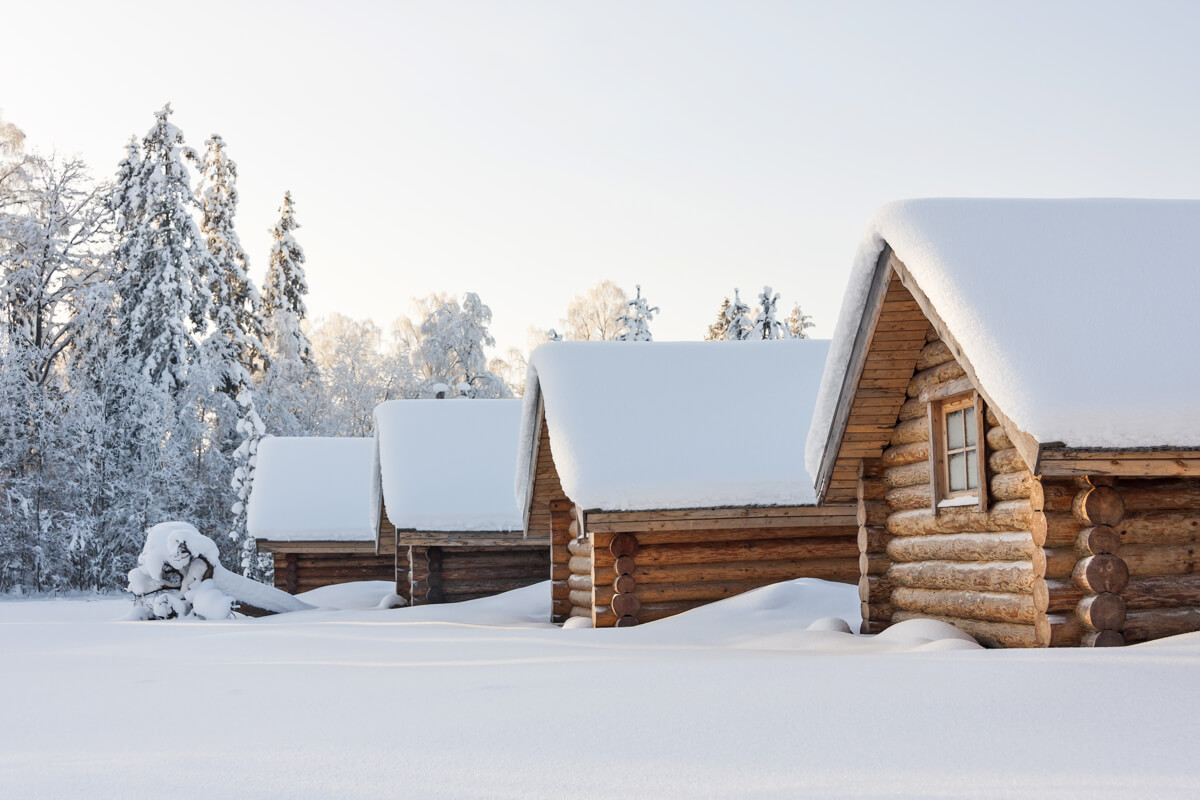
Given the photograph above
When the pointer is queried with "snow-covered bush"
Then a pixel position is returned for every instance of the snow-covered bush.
(179, 574)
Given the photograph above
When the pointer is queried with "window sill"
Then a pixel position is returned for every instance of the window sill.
(961, 500)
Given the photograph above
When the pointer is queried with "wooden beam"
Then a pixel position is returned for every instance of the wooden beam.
(1124, 462)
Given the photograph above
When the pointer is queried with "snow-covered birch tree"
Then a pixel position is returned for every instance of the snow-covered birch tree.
(738, 325)
(766, 325)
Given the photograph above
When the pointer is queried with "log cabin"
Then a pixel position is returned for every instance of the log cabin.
(311, 508)
(670, 474)
(1011, 402)
(444, 471)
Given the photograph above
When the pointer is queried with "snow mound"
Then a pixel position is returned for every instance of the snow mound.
(578, 622)
(356, 595)
(917, 632)
(1092, 261)
(834, 624)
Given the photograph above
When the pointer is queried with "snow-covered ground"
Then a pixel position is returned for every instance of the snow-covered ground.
(480, 699)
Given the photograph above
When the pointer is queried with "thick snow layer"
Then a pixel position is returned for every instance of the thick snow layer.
(735, 699)
(447, 465)
(651, 425)
(309, 489)
(1079, 316)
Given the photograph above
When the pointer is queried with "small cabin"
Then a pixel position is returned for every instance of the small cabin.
(311, 508)
(444, 473)
(670, 474)
(1011, 401)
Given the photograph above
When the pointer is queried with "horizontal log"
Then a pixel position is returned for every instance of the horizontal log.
(872, 512)
(908, 474)
(872, 626)
(754, 550)
(655, 611)
(580, 583)
(840, 569)
(559, 554)
(934, 353)
(987, 633)
(624, 584)
(580, 597)
(749, 514)
(1143, 626)
(1009, 515)
(1162, 591)
(997, 439)
(1012, 485)
(905, 454)
(1099, 505)
(1160, 527)
(624, 565)
(560, 572)
(1062, 595)
(873, 563)
(1101, 612)
(995, 607)
(905, 498)
(1054, 528)
(1054, 563)
(913, 408)
(1104, 573)
(1160, 494)
(580, 565)
(1145, 463)
(626, 605)
(845, 526)
(577, 548)
(700, 590)
(985, 547)
(1145, 560)
(1097, 541)
(873, 539)
(1004, 461)
(1011, 577)
(844, 516)
(872, 489)
(1065, 630)
(874, 589)
(909, 431)
(942, 373)
(581, 611)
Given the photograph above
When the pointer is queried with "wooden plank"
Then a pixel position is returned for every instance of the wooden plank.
(1131, 464)
(274, 546)
(720, 512)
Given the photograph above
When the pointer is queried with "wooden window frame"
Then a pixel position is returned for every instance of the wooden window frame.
(938, 461)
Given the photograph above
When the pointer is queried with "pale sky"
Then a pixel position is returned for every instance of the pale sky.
(527, 150)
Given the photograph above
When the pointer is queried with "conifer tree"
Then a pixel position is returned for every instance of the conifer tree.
(766, 326)
(738, 326)
(798, 323)
(716, 331)
(234, 347)
(634, 324)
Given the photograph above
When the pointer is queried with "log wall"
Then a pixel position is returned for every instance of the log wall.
(453, 574)
(646, 565)
(1158, 542)
(304, 571)
(976, 569)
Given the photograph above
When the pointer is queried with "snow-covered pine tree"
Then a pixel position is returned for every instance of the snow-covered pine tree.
(716, 331)
(634, 324)
(234, 346)
(289, 384)
(798, 322)
(451, 351)
(738, 325)
(766, 326)
(162, 267)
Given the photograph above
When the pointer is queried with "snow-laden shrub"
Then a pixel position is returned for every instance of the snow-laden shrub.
(174, 576)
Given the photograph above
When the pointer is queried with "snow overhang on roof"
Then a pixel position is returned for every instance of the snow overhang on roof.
(1078, 317)
(312, 489)
(657, 425)
(447, 465)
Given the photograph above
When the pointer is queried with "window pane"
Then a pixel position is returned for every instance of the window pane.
(958, 472)
(954, 430)
(972, 468)
(969, 422)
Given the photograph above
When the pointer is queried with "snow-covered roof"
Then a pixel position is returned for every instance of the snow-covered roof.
(310, 489)
(447, 465)
(1081, 318)
(650, 425)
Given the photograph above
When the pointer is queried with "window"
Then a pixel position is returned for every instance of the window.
(957, 452)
